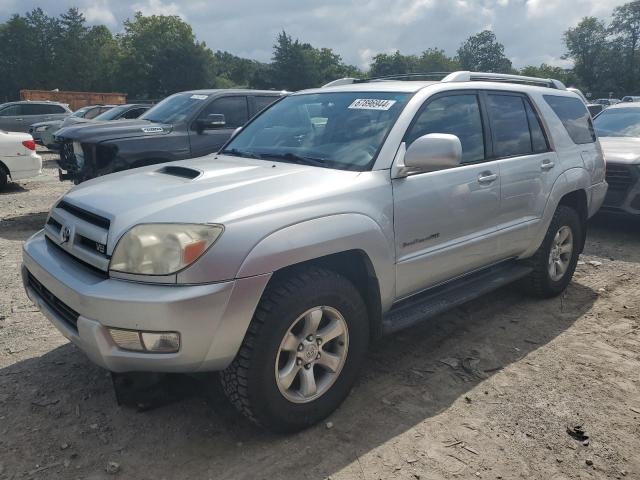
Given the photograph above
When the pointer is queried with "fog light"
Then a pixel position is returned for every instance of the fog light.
(163, 342)
(157, 342)
(127, 339)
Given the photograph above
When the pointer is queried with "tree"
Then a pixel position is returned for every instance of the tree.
(587, 46)
(392, 64)
(626, 26)
(483, 53)
(160, 56)
(435, 60)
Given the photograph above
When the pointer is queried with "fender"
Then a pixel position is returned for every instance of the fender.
(569, 181)
(323, 236)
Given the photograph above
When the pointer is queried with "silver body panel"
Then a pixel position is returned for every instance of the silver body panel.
(417, 231)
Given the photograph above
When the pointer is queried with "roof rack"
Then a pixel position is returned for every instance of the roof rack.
(462, 76)
(503, 77)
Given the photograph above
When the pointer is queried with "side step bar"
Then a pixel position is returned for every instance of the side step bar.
(449, 295)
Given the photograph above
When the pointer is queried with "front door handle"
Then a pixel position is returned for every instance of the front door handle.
(547, 165)
(487, 177)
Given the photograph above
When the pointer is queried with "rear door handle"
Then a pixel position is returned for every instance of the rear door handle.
(487, 177)
(547, 165)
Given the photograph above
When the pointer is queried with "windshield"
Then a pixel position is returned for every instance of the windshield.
(113, 113)
(80, 113)
(341, 130)
(618, 122)
(174, 108)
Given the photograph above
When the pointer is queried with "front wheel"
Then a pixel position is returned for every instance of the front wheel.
(555, 261)
(301, 354)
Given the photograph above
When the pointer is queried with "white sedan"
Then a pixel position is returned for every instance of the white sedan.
(18, 157)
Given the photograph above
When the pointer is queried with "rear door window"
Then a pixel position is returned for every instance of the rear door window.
(34, 109)
(263, 102)
(234, 109)
(575, 117)
(53, 109)
(457, 115)
(509, 125)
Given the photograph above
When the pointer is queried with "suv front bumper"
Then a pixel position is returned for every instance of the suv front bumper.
(211, 318)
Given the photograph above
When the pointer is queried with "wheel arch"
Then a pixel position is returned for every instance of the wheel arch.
(352, 245)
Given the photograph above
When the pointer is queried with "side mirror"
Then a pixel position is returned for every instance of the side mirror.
(434, 151)
(211, 122)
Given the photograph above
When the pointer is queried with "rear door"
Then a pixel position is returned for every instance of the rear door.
(235, 109)
(527, 165)
(36, 112)
(446, 221)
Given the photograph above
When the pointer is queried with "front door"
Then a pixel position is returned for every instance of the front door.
(236, 113)
(445, 222)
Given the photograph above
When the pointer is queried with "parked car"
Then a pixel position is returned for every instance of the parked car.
(184, 125)
(630, 99)
(43, 132)
(618, 128)
(607, 102)
(18, 116)
(18, 158)
(594, 107)
(335, 216)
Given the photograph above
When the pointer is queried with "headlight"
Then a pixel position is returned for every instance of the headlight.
(42, 128)
(162, 249)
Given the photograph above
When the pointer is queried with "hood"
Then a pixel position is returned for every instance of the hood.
(98, 131)
(621, 149)
(227, 189)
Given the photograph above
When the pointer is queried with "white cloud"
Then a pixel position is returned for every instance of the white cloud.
(99, 13)
(157, 7)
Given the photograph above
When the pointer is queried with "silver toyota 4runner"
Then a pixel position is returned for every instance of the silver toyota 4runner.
(335, 216)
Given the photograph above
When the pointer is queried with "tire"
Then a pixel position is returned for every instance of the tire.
(541, 282)
(3, 178)
(251, 383)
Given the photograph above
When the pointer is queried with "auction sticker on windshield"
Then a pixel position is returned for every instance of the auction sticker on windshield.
(199, 97)
(372, 104)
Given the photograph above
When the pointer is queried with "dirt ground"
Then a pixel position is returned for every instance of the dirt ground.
(485, 391)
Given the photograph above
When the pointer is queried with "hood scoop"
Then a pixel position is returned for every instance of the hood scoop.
(182, 172)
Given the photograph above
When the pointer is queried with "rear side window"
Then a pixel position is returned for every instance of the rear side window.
(457, 115)
(53, 109)
(263, 102)
(574, 116)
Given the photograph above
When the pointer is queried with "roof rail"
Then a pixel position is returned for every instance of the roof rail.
(465, 76)
(462, 76)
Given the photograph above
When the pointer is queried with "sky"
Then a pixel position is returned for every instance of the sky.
(531, 30)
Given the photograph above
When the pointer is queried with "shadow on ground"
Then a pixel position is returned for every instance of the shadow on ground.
(614, 237)
(60, 399)
(23, 226)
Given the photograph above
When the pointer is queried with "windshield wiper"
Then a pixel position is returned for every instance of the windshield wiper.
(295, 158)
(240, 153)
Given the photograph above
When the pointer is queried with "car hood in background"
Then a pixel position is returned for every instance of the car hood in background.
(98, 131)
(621, 149)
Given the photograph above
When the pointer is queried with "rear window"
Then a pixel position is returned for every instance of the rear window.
(575, 117)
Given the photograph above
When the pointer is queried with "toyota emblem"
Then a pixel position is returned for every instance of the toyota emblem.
(65, 234)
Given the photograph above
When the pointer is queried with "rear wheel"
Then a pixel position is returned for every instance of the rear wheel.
(555, 261)
(301, 354)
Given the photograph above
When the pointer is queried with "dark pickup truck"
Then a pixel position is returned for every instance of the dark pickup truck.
(184, 125)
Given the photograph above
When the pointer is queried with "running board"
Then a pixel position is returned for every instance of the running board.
(439, 299)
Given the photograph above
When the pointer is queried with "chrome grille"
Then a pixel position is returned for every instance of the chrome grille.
(619, 177)
(80, 233)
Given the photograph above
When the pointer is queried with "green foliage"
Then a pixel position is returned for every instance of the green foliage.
(157, 55)
(483, 53)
